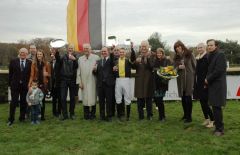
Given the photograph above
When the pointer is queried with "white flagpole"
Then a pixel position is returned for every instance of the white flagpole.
(105, 25)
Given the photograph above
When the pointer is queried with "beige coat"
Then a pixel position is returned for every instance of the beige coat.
(86, 79)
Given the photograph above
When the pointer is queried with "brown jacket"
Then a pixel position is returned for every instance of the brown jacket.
(144, 81)
(34, 74)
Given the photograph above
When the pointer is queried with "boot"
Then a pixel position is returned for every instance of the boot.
(86, 112)
(128, 112)
(119, 112)
(76, 100)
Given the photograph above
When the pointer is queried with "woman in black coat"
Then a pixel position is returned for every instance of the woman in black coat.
(161, 85)
(200, 89)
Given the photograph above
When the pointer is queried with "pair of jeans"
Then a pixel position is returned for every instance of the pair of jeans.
(35, 112)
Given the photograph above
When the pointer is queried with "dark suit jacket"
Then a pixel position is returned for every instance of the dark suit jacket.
(55, 72)
(15, 74)
(216, 77)
(105, 73)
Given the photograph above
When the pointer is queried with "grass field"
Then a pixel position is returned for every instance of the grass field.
(134, 137)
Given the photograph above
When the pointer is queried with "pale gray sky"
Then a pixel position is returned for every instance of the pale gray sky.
(191, 21)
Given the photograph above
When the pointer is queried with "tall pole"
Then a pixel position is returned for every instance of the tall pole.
(105, 25)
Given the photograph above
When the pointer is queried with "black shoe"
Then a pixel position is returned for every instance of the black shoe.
(21, 119)
(183, 118)
(72, 117)
(55, 115)
(92, 117)
(187, 120)
(162, 120)
(10, 123)
(102, 118)
(120, 119)
(43, 119)
(218, 133)
(149, 118)
(109, 119)
(63, 118)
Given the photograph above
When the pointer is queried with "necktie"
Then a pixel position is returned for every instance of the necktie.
(104, 61)
(22, 65)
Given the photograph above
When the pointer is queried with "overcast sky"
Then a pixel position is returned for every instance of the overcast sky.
(191, 21)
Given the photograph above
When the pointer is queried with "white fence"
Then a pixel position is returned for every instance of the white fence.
(233, 84)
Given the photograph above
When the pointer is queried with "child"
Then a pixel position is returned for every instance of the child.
(34, 100)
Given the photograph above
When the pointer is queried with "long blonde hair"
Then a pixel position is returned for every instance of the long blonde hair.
(35, 60)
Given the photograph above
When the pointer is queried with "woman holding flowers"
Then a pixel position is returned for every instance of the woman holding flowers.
(185, 64)
(161, 84)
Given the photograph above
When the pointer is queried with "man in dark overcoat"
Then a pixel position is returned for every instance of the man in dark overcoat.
(216, 83)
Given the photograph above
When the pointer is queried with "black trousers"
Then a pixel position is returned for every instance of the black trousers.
(15, 93)
(43, 108)
(161, 108)
(187, 107)
(89, 112)
(114, 104)
(105, 96)
(141, 104)
(65, 85)
(218, 118)
(207, 112)
(56, 101)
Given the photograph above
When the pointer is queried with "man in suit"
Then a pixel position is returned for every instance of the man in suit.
(19, 74)
(105, 83)
(55, 82)
(216, 83)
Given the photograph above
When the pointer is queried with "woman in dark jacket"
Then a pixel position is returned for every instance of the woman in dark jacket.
(200, 89)
(161, 85)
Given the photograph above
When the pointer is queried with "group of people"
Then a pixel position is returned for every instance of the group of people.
(108, 78)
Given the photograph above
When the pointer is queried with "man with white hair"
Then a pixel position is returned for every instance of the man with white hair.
(19, 74)
(87, 81)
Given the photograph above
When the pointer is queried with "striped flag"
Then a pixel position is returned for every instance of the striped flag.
(84, 23)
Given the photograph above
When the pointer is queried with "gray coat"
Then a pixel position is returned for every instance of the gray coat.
(185, 80)
(216, 77)
(35, 96)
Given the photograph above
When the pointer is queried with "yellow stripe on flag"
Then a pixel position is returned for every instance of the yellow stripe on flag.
(72, 23)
